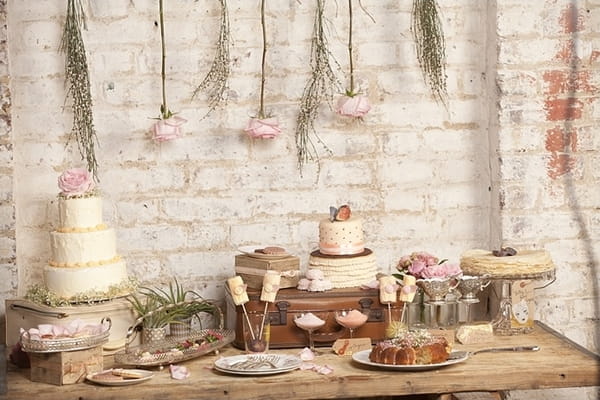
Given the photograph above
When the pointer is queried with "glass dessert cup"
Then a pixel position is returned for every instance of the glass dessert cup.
(351, 319)
(310, 322)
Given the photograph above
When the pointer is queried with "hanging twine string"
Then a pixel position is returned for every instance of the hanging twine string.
(78, 85)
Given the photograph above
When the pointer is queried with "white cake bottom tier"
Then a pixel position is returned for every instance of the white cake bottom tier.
(346, 272)
(68, 282)
(77, 249)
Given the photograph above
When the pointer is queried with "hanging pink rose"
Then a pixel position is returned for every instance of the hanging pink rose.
(168, 129)
(267, 128)
(356, 106)
(75, 181)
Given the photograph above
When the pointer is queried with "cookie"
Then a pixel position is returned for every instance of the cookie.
(273, 250)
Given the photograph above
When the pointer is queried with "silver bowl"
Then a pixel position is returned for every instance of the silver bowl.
(437, 288)
(469, 286)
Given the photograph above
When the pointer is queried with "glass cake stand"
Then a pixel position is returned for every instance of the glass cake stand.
(502, 323)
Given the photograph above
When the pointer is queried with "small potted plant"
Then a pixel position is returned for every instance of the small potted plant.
(181, 304)
(155, 318)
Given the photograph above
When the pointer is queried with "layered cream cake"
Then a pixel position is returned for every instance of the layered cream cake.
(84, 257)
(342, 256)
(523, 263)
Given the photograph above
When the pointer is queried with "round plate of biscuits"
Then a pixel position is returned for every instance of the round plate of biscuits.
(271, 252)
(120, 377)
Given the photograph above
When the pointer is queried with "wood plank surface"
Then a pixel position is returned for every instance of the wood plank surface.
(559, 363)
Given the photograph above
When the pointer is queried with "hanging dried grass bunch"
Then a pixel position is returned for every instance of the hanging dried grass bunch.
(78, 81)
(322, 86)
(215, 83)
(431, 47)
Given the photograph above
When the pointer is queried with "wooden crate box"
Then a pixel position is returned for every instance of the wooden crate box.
(66, 367)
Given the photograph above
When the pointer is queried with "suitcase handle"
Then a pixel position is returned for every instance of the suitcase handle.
(57, 315)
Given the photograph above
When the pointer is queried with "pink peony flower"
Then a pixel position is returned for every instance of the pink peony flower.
(75, 181)
(267, 128)
(168, 129)
(355, 106)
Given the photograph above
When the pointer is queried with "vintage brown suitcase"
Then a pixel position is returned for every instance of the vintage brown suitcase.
(285, 333)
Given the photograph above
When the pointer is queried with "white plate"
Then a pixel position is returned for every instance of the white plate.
(147, 375)
(456, 357)
(281, 363)
(250, 251)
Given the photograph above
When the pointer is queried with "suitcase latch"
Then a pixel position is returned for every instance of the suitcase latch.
(279, 317)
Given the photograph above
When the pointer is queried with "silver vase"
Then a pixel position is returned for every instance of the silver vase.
(469, 286)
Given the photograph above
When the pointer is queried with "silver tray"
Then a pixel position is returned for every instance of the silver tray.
(66, 344)
(172, 349)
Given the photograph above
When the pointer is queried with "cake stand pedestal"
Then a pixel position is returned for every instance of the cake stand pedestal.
(502, 323)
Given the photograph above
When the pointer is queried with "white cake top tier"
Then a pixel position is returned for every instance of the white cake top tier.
(341, 237)
(80, 214)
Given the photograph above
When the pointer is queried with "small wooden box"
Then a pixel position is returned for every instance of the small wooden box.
(66, 367)
(252, 270)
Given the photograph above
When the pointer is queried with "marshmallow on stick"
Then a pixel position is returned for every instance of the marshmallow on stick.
(387, 289)
(270, 286)
(409, 288)
(238, 290)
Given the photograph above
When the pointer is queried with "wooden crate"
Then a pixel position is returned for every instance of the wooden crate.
(67, 367)
(252, 270)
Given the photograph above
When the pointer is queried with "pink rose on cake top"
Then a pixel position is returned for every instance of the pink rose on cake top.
(356, 106)
(166, 129)
(266, 128)
(75, 182)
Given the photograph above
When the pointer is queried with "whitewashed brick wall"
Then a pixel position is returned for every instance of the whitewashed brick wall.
(422, 177)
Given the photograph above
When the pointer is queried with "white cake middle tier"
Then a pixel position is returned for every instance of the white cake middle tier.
(78, 249)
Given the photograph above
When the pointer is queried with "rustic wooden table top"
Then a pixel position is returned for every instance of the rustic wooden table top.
(559, 363)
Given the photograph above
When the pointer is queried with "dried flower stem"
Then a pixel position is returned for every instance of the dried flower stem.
(78, 81)
(216, 80)
(350, 92)
(322, 85)
(261, 111)
(165, 113)
(431, 47)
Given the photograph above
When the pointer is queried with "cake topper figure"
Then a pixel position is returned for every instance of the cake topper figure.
(339, 214)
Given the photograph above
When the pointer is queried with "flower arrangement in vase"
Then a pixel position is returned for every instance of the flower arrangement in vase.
(436, 277)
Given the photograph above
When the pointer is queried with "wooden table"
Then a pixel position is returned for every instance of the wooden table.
(558, 364)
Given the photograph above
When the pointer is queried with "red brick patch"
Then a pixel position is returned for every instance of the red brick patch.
(571, 19)
(560, 164)
(563, 109)
(565, 82)
(557, 140)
